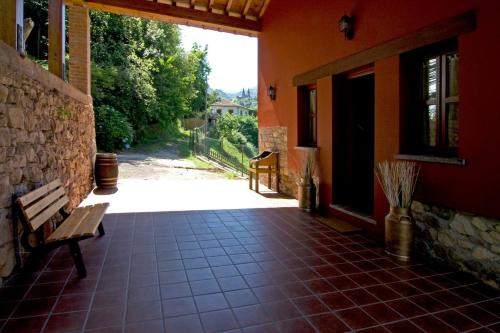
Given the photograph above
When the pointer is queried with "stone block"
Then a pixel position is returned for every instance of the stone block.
(6, 234)
(462, 224)
(5, 140)
(17, 161)
(31, 155)
(496, 236)
(16, 176)
(417, 207)
(8, 260)
(15, 117)
(445, 239)
(5, 191)
(465, 244)
(4, 93)
(481, 253)
(3, 115)
(479, 223)
(485, 236)
(35, 173)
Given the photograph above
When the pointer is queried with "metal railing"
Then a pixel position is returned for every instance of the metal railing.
(232, 156)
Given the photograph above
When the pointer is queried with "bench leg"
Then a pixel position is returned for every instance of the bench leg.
(250, 180)
(77, 257)
(278, 182)
(257, 181)
(101, 229)
(269, 179)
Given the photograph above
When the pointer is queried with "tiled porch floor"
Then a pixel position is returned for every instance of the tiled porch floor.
(247, 270)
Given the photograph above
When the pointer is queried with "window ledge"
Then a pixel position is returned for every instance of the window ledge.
(306, 148)
(431, 159)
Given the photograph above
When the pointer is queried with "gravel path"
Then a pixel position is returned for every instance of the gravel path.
(164, 164)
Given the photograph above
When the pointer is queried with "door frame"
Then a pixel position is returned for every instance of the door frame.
(339, 106)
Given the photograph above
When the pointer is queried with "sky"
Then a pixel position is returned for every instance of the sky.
(233, 58)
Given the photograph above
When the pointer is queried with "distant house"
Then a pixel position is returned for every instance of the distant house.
(224, 106)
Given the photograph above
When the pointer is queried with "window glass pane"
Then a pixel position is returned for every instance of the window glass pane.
(452, 122)
(430, 126)
(452, 75)
(312, 117)
(430, 78)
(312, 101)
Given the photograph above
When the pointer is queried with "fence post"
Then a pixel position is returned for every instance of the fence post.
(242, 165)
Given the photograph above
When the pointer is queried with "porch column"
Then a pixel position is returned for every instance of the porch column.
(56, 37)
(79, 48)
(11, 22)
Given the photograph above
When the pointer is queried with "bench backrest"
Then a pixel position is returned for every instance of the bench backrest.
(269, 159)
(40, 205)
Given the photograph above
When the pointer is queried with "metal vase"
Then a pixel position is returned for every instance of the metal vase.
(399, 233)
(307, 195)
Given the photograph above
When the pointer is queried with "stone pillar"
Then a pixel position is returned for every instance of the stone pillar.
(57, 38)
(11, 22)
(79, 48)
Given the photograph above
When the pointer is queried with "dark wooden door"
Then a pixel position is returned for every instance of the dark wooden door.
(354, 143)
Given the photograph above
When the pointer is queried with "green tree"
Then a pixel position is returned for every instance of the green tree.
(248, 127)
(113, 131)
(139, 69)
(199, 71)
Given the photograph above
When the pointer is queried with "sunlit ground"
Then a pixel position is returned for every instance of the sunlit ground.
(187, 195)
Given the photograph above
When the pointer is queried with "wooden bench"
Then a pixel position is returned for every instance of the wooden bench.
(41, 205)
(266, 162)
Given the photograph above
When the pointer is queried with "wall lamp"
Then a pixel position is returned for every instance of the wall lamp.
(271, 92)
(346, 25)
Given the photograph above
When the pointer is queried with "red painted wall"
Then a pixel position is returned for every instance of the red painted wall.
(298, 36)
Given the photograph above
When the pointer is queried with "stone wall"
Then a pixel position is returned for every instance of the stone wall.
(275, 139)
(46, 132)
(468, 242)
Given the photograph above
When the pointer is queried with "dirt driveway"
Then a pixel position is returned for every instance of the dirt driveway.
(165, 164)
(162, 181)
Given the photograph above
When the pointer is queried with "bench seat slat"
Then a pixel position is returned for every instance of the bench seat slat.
(48, 213)
(43, 203)
(81, 223)
(68, 227)
(92, 221)
(39, 192)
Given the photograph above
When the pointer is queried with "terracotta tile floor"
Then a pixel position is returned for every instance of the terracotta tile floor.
(247, 270)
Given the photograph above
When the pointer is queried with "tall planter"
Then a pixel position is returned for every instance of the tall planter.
(307, 195)
(399, 226)
(398, 180)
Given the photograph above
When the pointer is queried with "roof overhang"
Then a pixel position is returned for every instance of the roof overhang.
(234, 16)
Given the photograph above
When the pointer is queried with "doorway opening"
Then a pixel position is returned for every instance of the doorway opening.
(353, 156)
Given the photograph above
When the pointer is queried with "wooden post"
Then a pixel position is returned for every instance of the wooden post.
(57, 38)
(11, 22)
(79, 47)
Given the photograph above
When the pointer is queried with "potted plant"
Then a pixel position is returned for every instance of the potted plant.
(398, 180)
(306, 186)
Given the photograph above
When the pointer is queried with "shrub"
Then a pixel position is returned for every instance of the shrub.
(113, 131)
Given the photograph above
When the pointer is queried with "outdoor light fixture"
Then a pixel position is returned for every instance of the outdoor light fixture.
(346, 26)
(271, 92)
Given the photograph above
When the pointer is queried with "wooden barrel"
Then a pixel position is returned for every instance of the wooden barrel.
(106, 171)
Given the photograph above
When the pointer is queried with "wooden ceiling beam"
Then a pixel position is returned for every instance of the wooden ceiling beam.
(264, 7)
(176, 15)
(248, 3)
